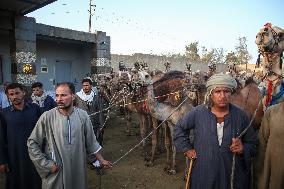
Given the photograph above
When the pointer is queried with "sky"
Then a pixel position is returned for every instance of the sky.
(167, 26)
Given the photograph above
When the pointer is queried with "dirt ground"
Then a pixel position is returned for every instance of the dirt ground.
(130, 172)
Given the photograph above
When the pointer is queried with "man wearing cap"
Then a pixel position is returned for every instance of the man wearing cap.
(217, 124)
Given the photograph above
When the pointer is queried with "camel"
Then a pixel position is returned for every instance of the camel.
(270, 39)
(248, 98)
(137, 102)
(120, 91)
(270, 42)
(184, 92)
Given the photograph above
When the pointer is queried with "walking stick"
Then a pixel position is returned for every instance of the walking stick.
(189, 173)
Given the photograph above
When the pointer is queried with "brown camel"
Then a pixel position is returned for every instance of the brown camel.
(164, 98)
(248, 99)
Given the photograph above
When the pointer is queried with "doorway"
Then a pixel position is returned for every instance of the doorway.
(62, 71)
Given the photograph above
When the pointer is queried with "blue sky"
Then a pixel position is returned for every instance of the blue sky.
(166, 26)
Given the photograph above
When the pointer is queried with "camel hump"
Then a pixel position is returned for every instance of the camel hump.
(169, 87)
(171, 75)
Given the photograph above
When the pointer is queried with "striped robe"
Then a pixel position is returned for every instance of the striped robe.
(212, 168)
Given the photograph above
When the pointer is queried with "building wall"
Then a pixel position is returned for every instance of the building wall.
(53, 53)
(5, 56)
(79, 55)
(157, 62)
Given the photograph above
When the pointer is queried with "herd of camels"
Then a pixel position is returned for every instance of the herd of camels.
(164, 97)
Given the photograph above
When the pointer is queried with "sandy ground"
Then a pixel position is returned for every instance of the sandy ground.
(130, 172)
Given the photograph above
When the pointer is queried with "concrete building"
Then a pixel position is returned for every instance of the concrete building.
(31, 52)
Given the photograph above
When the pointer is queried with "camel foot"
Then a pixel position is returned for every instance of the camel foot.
(167, 168)
(171, 172)
(149, 163)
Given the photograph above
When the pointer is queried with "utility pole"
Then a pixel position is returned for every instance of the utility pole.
(90, 14)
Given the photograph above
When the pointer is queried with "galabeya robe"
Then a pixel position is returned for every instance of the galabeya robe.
(15, 128)
(213, 166)
(270, 157)
(64, 140)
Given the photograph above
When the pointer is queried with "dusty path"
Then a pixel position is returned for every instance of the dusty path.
(131, 172)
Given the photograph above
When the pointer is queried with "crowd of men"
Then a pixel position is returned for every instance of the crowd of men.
(41, 139)
(45, 143)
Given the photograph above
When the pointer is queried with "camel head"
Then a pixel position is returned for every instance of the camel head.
(270, 39)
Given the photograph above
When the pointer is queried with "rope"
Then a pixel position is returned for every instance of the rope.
(116, 161)
(240, 136)
(136, 102)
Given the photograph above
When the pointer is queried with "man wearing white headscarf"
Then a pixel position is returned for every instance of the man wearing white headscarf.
(216, 124)
(89, 100)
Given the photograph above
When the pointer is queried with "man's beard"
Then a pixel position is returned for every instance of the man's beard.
(17, 101)
(64, 106)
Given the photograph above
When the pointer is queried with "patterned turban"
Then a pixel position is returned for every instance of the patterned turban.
(219, 80)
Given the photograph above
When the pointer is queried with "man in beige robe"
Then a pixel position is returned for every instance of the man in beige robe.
(270, 159)
(60, 141)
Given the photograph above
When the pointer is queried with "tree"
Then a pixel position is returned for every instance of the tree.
(214, 56)
(242, 53)
(231, 58)
(191, 51)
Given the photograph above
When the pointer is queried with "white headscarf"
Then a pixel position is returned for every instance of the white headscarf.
(86, 97)
(39, 100)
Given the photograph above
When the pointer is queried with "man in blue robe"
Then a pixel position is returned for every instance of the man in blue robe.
(217, 125)
(17, 123)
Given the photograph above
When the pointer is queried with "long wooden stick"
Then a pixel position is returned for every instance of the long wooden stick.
(189, 173)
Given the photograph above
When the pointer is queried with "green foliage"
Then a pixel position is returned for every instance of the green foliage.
(218, 55)
(214, 56)
(242, 53)
(191, 51)
(231, 58)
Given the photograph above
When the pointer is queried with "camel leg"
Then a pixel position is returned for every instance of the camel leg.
(168, 146)
(173, 167)
(142, 125)
(154, 142)
(128, 122)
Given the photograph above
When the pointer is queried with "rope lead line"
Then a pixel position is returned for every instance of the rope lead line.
(148, 134)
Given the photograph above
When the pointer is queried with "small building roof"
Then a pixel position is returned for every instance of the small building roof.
(23, 7)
